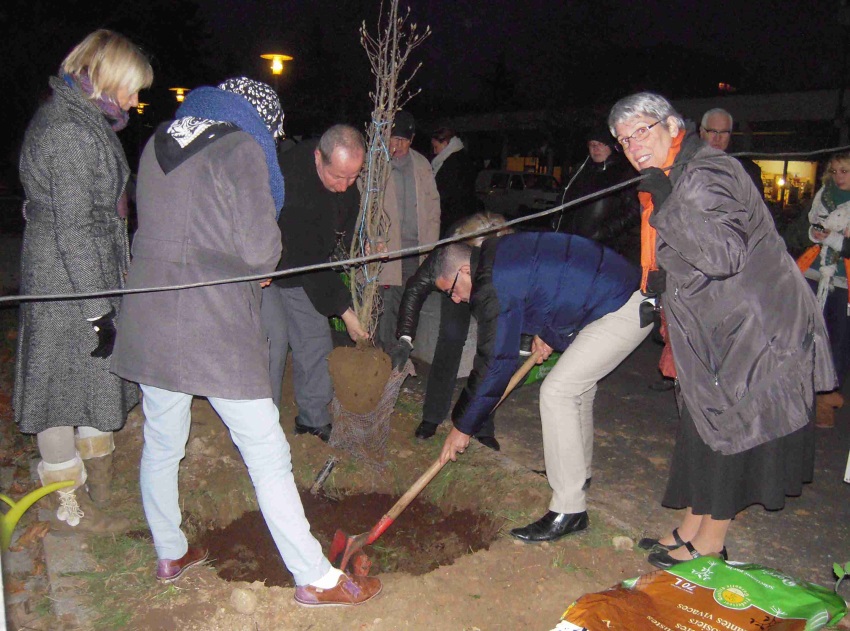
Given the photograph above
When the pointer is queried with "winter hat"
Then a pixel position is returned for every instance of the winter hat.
(404, 126)
(262, 97)
(602, 134)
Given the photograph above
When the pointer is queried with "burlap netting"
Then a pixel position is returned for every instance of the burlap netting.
(364, 436)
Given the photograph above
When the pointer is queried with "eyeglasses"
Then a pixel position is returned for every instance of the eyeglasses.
(837, 171)
(717, 132)
(640, 134)
(451, 290)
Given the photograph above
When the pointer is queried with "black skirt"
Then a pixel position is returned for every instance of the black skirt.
(711, 483)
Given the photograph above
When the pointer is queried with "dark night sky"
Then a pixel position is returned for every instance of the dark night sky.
(482, 55)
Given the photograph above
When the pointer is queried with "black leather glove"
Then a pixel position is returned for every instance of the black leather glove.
(657, 184)
(656, 282)
(401, 353)
(105, 329)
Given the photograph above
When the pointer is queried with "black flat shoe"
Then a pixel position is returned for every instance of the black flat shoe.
(425, 430)
(662, 559)
(490, 442)
(323, 432)
(651, 544)
(552, 526)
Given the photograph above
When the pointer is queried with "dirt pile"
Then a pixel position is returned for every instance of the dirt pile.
(359, 376)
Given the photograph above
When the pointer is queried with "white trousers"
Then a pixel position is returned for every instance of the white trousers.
(566, 400)
(255, 428)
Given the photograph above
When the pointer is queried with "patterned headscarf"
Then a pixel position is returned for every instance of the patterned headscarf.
(262, 97)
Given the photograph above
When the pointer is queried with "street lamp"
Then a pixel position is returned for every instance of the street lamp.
(140, 108)
(180, 93)
(277, 60)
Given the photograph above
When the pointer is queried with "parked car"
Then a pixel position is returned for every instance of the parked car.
(516, 194)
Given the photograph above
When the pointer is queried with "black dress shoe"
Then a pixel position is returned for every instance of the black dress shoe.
(662, 559)
(652, 544)
(552, 526)
(490, 442)
(425, 430)
(323, 432)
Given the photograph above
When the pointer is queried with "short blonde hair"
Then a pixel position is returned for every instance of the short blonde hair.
(111, 62)
(480, 221)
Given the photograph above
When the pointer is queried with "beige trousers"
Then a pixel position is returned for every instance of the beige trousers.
(566, 400)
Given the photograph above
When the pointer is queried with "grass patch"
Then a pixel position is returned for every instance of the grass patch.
(125, 573)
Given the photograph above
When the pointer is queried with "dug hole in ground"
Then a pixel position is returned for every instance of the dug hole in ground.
(447, 562)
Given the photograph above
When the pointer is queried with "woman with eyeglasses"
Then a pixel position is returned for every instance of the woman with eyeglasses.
(826, 265)
(748, 341)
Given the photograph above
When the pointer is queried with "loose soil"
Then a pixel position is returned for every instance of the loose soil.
(359, 375)
(422, 538)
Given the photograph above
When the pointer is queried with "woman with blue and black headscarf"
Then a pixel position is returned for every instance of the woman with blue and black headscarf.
(209, 192)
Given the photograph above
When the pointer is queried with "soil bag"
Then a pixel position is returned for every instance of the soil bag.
(707, 594)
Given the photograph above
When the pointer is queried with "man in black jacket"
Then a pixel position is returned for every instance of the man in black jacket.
(455, 176)
(320, 203)
(612, 219)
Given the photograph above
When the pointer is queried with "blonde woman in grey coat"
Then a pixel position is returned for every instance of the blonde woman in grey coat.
(74, 174)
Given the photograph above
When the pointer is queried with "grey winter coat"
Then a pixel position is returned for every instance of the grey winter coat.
(211, 217)
(748, 340)
(74, 171)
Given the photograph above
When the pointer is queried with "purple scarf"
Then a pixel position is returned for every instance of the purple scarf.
(117, 117)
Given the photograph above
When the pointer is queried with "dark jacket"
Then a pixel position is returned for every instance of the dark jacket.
(209, 217)
(608, 219)
(456, 185)
(748, 339)
(73, 171)
(311, 222)
(543, 284)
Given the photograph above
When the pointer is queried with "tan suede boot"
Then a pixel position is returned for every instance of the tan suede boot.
(825, 406)
(72, 508)
(96, 452)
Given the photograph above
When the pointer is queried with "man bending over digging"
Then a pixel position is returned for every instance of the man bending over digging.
(574, 296)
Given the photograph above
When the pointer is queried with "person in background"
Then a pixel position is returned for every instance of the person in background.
(412, 204)
(748, 342)
(209, 192)
(455, 177)
(826, 265)
(513, 285)
(451, 337)
(716, 130)
(613, 219)
(74, 173)
(321, 204)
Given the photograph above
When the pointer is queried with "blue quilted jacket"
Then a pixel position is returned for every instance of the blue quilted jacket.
(545, 284)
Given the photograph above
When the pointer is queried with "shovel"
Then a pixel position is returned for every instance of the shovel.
(349, 548)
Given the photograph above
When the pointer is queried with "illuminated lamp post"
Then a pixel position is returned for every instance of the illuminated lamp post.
(277, 60)
(180, 93)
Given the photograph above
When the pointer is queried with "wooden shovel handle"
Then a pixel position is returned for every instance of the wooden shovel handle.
(519, 375)
(435, 468)
(414, 490)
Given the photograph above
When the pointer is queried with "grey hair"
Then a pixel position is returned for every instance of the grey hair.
(344, 136)
(451, 258)
(712, 112)
(642, 104)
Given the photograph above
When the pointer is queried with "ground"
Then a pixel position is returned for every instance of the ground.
(495, 583)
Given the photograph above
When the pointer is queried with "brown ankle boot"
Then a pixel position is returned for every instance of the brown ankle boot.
(96, 452)
(99, 482)
(72, 509)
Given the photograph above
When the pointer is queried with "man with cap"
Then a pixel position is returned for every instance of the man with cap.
(208, 192)
(613, 219)
(412, 204)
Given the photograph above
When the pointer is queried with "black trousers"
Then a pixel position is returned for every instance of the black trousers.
(439, 392)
